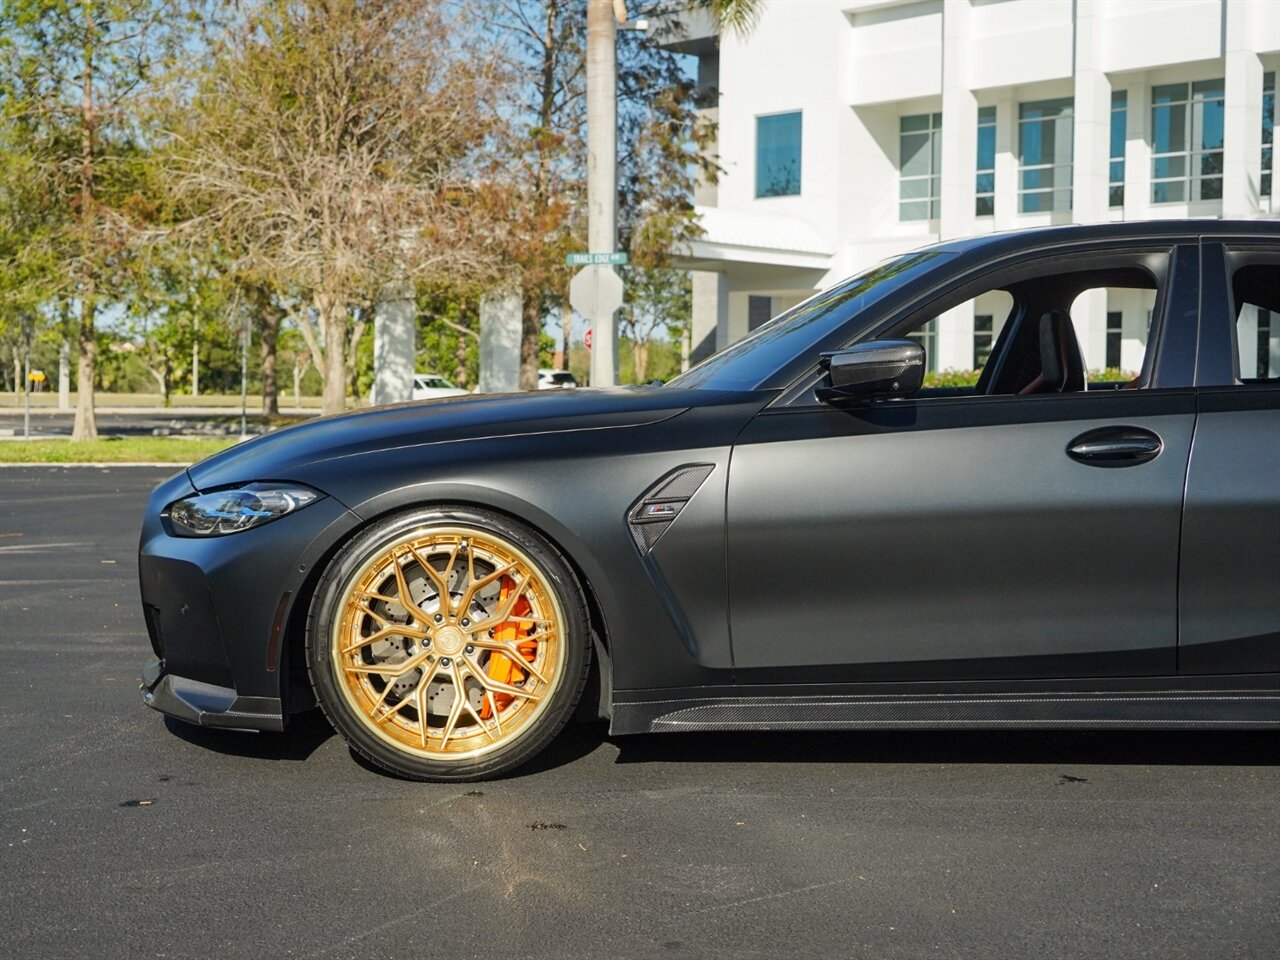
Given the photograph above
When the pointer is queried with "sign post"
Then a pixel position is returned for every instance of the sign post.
(596, 292)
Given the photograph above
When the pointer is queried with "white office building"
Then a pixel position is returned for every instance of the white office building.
(853, 130)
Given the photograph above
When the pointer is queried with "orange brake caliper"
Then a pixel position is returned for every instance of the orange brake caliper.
(500, 667)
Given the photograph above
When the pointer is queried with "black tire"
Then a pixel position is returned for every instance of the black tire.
(362, 732)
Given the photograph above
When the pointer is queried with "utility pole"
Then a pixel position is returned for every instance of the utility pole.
(602, 170)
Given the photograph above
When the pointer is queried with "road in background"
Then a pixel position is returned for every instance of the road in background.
(143, 421)
(122, 835)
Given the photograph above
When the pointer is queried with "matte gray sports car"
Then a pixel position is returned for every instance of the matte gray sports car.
(797, 533)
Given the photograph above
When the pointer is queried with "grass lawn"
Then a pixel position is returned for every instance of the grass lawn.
(177, 450)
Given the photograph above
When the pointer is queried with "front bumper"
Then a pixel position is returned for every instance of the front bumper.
(218, 609)
(207, 704)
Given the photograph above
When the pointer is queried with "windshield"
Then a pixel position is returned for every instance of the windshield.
(752, 360)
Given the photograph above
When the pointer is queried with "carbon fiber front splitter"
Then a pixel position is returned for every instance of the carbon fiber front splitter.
(207, 704)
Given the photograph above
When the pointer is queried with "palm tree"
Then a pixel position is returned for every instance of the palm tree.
(603, 16)
(734, 16)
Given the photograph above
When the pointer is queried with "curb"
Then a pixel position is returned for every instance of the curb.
(104, 465)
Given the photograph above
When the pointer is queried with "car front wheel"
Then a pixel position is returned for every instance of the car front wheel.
(448, 644)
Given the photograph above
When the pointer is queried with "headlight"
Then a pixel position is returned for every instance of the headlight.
(231, 511)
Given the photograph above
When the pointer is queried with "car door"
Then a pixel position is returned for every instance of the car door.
(960, 537)
(1230, 572)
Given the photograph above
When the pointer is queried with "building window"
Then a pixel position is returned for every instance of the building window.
(759, 311)
(1115, 334)
(1119, 118)
(927, 337)
(920, 166)
(1186, 141)
(1044, 155)
(983, 337)
(985, 202)
(1268, 129)
(778, 155)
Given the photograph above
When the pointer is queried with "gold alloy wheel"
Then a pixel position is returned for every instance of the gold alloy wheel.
(448, 644)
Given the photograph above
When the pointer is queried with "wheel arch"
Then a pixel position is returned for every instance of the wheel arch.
(296, 691)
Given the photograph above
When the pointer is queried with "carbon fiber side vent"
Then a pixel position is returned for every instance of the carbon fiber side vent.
(651, 515)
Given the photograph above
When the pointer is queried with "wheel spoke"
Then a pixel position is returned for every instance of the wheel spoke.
(479, 721)
(394, 631)
(511, 652)
(441, 582)
(388, 669)
(455, 708)
(493, 708)
(475, 586)
(406, 599)
(504, 611)
(497, 686)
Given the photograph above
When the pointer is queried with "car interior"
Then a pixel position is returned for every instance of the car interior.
(1255, 289)
(1038, 350)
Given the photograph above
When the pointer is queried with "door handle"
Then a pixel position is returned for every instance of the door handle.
(1115, 447)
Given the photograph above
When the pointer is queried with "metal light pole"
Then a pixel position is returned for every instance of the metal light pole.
(602, 169)
(28, 331)
(244, 379)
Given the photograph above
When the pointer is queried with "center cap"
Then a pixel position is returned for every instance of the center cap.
(449, 640)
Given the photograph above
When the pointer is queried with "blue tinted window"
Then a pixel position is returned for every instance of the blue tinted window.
(1186, 141)
(920, 166)
(1119, 117)
(1044, 155)
(985, 202)
(1268, 129)
(778, 155)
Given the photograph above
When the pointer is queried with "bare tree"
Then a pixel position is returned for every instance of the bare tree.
(334, 143)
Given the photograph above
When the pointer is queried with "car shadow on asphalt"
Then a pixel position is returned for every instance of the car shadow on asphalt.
(1159, 748)
(304, 735)
(308, 731)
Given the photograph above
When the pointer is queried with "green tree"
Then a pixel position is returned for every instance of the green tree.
(540, 158)
(72, 77)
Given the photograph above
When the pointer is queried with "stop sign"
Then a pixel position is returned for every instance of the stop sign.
(586, 339)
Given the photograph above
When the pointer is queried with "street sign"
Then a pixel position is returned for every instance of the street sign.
(586, 339)
(596, 292)
(589, 259)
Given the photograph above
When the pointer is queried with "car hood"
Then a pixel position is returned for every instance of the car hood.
(273, 456)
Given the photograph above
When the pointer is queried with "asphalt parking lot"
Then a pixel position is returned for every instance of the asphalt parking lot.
(122, 835)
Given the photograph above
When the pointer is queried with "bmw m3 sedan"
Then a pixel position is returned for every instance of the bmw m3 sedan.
(1026, 480)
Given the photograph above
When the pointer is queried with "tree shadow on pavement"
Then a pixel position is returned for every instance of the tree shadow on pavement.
(1160, 748)
(304, 735)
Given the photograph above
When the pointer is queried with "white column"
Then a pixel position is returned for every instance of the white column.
(1006, 161)
(1091, 136)
(1137, 149)
(500, 328)
(64, 374)
(955, 338)
(959, 124)
(710, 314)
(1242, 118)
(735, 325)
(394, 346)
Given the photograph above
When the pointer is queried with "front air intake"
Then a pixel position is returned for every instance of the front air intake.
(658, 507)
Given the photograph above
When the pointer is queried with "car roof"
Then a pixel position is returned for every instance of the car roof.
(1021, 238)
